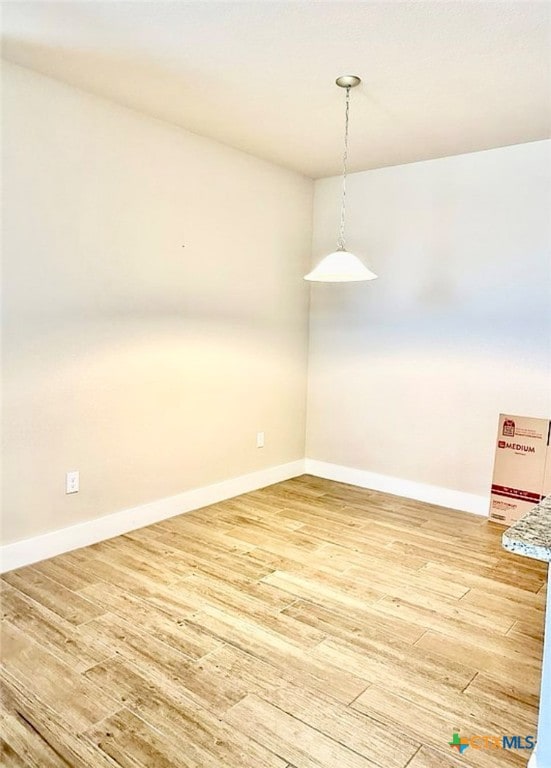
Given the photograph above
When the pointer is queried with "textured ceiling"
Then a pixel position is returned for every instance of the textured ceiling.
(440, 78)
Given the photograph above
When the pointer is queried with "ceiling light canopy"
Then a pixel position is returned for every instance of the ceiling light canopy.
(341, 266)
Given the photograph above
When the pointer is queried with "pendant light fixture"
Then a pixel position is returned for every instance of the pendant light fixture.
(341, 266)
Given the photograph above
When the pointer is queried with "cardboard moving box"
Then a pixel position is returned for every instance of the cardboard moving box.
(522, 467)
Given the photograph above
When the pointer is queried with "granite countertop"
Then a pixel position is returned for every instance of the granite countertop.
(531, 536)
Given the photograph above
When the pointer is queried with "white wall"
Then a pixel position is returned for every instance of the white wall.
(147, 366)
(150, 367)
(408, 373)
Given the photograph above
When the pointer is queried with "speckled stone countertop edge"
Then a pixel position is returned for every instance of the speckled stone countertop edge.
(531, 535)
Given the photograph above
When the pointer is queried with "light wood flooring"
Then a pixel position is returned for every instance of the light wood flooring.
(309, 624)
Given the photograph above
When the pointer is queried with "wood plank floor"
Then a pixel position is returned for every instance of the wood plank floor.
(310, 624)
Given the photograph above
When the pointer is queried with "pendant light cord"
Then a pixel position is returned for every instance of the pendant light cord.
(340, 241)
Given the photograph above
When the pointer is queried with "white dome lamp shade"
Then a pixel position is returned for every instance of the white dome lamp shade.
(341, 266)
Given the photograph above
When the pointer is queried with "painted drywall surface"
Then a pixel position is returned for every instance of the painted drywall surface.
(146, 365)
(408, 373)
(440, 78)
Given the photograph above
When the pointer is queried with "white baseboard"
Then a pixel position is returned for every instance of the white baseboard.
(433, 494)
(29, 551)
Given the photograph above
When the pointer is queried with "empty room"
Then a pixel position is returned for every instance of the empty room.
(276, 384)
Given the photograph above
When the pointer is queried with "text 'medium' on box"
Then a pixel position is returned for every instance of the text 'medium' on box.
(522, 467)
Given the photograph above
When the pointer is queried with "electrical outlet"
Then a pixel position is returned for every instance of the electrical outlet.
(260, 439)
(72, 482)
